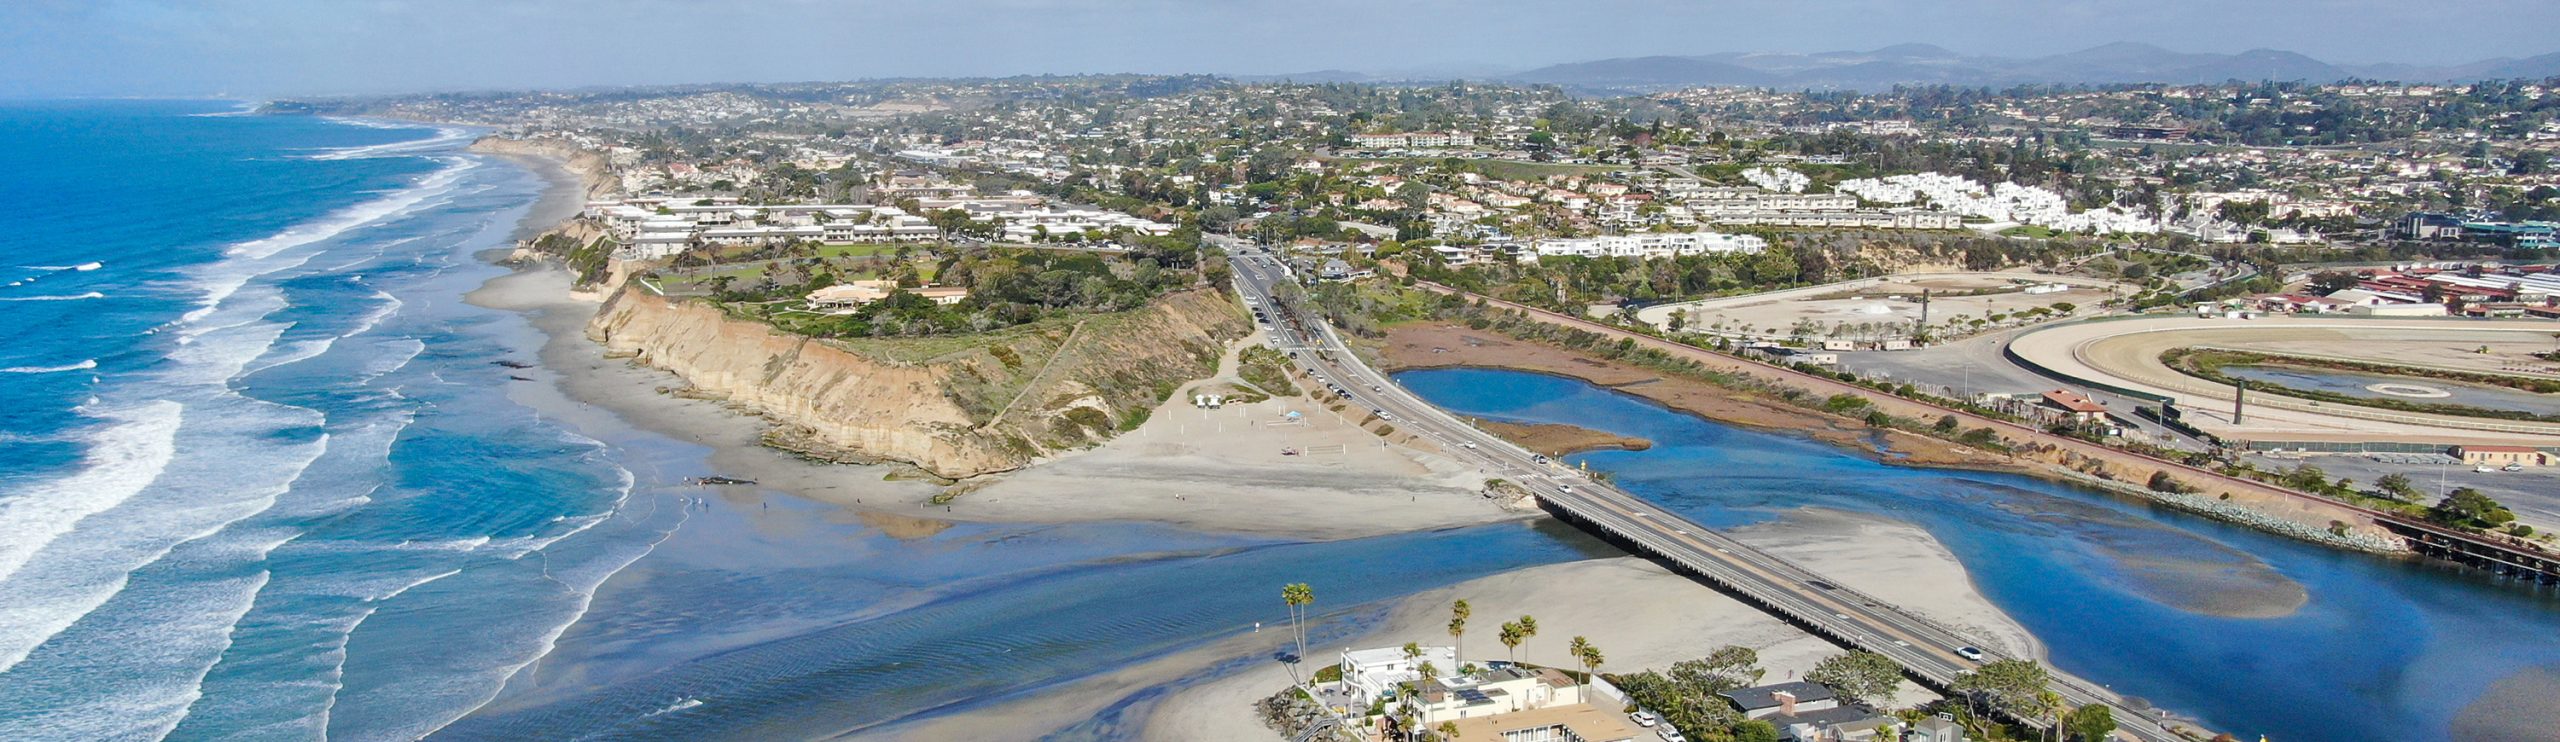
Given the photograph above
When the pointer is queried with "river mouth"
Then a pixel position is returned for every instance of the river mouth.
(2246, 632)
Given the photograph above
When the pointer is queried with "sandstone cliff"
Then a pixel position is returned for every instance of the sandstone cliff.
(588, 166)
(955, 407)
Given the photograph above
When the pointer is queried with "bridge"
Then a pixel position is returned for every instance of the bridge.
(1927, 652)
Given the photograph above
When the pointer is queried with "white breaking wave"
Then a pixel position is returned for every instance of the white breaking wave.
(73, 297)
(220, 287)
(81, 366)
(126, 458)
(88, 266)
(445, 137)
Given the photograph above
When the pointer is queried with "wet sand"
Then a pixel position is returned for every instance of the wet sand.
(1640, 615)
(1555, 439)
(1255, 469)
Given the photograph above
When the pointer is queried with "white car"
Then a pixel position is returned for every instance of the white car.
(1643, 718)
(1670, 734)
(1969, 653)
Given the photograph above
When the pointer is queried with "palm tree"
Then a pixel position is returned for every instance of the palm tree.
(2051, 703)
(1511, 638)
(1458, 614)
(1528, 628)
(1298, 595)
(1589, 657)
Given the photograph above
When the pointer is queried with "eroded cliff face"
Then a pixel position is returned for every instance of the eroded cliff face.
(588, 166)
(954, 409)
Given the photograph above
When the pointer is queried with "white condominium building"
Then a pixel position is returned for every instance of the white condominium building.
(1648, 245)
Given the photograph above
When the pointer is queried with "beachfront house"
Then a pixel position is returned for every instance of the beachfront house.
(1579, 722)
(1502, 691)
(1373, 674)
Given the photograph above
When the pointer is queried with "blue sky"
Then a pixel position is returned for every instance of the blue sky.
(293, 47)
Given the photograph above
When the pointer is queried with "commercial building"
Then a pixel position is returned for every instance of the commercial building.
(2502, 455)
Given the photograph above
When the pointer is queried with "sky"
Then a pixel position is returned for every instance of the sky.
(270, 48)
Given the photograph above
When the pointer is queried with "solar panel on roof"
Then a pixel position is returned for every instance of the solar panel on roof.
(1472, 695)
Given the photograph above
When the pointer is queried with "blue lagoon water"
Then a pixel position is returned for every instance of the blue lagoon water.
(263, 476)
(2248, 632)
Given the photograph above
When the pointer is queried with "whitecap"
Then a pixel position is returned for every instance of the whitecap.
(81, 366)
(445, 136)
(72, 297)
(88, 266)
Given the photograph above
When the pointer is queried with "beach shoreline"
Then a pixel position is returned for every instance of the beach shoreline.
(1251, 469)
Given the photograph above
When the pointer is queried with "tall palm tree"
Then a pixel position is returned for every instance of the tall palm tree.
(1590, 658)
(2051, 703)
(1458, 614)
(1511, 638)
(1298, 595)
(1528, 628)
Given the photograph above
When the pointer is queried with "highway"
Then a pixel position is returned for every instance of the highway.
(1926, 650)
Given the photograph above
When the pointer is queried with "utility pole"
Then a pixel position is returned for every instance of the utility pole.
(2239, 395)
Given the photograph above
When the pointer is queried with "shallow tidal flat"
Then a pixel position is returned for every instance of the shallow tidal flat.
(1556, 439)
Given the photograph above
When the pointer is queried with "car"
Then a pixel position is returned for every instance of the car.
(1565, 488)
(1644, 718)
(1670, 734)
(1469, 444)
(1970, 653)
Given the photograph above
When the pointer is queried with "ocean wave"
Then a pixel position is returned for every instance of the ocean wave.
(81, 366)
(445, 136)
(411, 585)
(122, 460)
(230, 275)
(70, 297)
(88, 266)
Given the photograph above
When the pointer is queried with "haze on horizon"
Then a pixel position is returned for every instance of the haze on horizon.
(255, 48)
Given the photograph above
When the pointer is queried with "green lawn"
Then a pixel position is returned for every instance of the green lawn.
(862, 249)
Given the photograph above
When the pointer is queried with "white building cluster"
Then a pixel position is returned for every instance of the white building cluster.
(1418, 139)
(2002, 202)
(653, 228)
(1777, 179)
(1647, 245)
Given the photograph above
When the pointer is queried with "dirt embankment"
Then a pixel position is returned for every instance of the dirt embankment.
(2255, 504)
(955, 409)
(1441, 345)
(1557, 440)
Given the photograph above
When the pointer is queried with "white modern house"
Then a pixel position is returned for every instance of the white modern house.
(1372, 674)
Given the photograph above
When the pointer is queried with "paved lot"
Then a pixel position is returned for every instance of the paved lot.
(2534, 494)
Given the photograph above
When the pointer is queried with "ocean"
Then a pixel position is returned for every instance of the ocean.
(252, 437)
(264, 474)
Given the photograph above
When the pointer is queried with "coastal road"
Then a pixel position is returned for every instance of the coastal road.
(1923, 648)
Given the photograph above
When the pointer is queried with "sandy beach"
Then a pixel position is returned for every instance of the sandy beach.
(1641, 616)
(1287, 467)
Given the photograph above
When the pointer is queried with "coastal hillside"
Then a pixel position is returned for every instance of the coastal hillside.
(580, 161)
(956, 407)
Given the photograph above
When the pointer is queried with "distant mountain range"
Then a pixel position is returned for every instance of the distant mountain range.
(1925, 64)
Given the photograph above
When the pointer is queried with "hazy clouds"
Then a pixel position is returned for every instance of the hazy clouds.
(282, 47)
